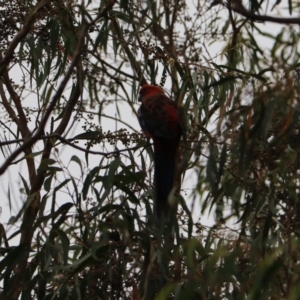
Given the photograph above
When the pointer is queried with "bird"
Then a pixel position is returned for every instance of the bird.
(162, 120)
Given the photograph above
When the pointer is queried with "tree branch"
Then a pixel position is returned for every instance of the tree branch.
(237, 6)
(7, 106)
(69, 143)
(16, 99)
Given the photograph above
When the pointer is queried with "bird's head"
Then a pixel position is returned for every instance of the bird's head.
(148, 90)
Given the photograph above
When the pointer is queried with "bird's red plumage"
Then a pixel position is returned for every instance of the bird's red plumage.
(162, 120)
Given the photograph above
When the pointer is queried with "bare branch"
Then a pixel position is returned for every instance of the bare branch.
(69, 142)
(17, 101)
(7, 106)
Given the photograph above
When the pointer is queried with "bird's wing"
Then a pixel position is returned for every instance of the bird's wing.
(159, 116)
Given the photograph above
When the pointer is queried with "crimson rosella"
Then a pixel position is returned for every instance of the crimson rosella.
(162, 120)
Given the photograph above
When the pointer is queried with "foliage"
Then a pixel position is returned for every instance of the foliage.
(86, 229)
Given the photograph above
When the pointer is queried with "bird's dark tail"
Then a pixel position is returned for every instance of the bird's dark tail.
(164, 177)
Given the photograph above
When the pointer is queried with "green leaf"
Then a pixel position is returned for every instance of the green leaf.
(47, 183)
(27, 203)
(88, 135)
(44, 165)
(14, 256)
(65, 245)
(88, 181)
(25, 184)
(211, 173)
(78, 161)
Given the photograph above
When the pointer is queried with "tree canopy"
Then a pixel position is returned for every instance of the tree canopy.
(77, 172)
